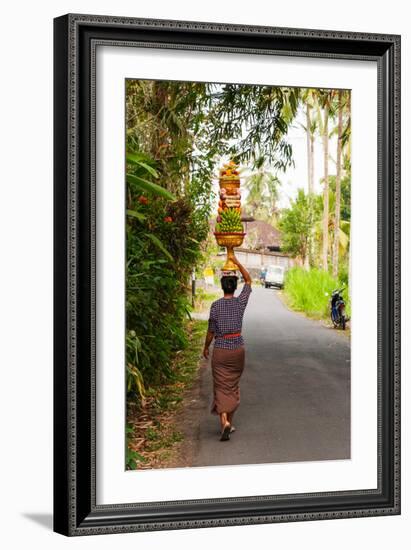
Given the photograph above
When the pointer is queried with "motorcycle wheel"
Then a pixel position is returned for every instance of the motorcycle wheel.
(343, 322)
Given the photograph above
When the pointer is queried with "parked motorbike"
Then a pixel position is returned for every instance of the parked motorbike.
(337, 308)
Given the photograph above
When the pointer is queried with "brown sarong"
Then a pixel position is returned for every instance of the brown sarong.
(227, 366)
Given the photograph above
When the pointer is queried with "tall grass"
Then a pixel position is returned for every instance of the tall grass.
(306, 291)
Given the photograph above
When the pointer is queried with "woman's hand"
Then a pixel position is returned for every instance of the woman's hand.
(208, 340)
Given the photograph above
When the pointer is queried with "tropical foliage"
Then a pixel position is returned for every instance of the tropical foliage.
(327, 114)
(297, 223)
(163, 243)
(263, 192)
(177, 134)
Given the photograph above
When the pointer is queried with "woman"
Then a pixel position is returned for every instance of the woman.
(227, 363)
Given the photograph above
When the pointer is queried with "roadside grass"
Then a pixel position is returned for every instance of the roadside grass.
(152, 438)
(203, 299)
(305, 291)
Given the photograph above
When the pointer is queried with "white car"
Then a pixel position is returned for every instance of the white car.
(274, 276)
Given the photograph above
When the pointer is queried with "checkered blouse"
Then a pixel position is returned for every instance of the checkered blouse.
(226, 316)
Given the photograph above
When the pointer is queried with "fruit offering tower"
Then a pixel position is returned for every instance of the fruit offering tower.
(229, 231)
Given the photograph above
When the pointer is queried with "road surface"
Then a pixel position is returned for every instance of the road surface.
(295, 392)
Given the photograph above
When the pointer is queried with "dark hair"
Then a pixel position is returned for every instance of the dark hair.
(229, 284)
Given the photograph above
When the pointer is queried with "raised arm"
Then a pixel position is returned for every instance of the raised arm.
(243, 271)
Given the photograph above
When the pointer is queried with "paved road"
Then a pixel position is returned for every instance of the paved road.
(295, 392)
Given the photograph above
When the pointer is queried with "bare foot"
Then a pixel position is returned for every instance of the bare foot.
(223, 420)
(225, 434)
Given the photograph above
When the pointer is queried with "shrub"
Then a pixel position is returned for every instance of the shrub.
(163, 238)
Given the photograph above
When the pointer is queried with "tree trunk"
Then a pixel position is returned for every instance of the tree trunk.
(310, 168)
(312, 139)
(326, 207)
(310, 151)
(338, 187)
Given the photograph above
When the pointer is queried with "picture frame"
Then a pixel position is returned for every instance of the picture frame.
(76, 38)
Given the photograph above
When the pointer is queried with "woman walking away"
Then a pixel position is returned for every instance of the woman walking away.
(227, 362)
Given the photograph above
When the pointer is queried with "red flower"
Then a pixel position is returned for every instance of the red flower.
(168, 219)
(143, 200)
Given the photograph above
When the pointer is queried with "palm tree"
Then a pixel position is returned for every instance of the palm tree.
(346, 144)
(250, 123)
(323, 100)
(310, 128)
(307, 98)
(338, 185)
(262, 187)
(340, 110)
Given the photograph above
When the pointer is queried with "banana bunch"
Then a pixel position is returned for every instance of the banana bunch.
(230, 222)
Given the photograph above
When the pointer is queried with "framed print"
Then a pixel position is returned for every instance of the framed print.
(227, 274)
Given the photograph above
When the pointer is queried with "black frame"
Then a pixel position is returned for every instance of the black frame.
(75, 40)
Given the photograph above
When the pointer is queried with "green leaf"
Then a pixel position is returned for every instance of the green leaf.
(134, 159)
(150, 169)
(134, 375)
(149, 186)
(135, 214)
(160, 245)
